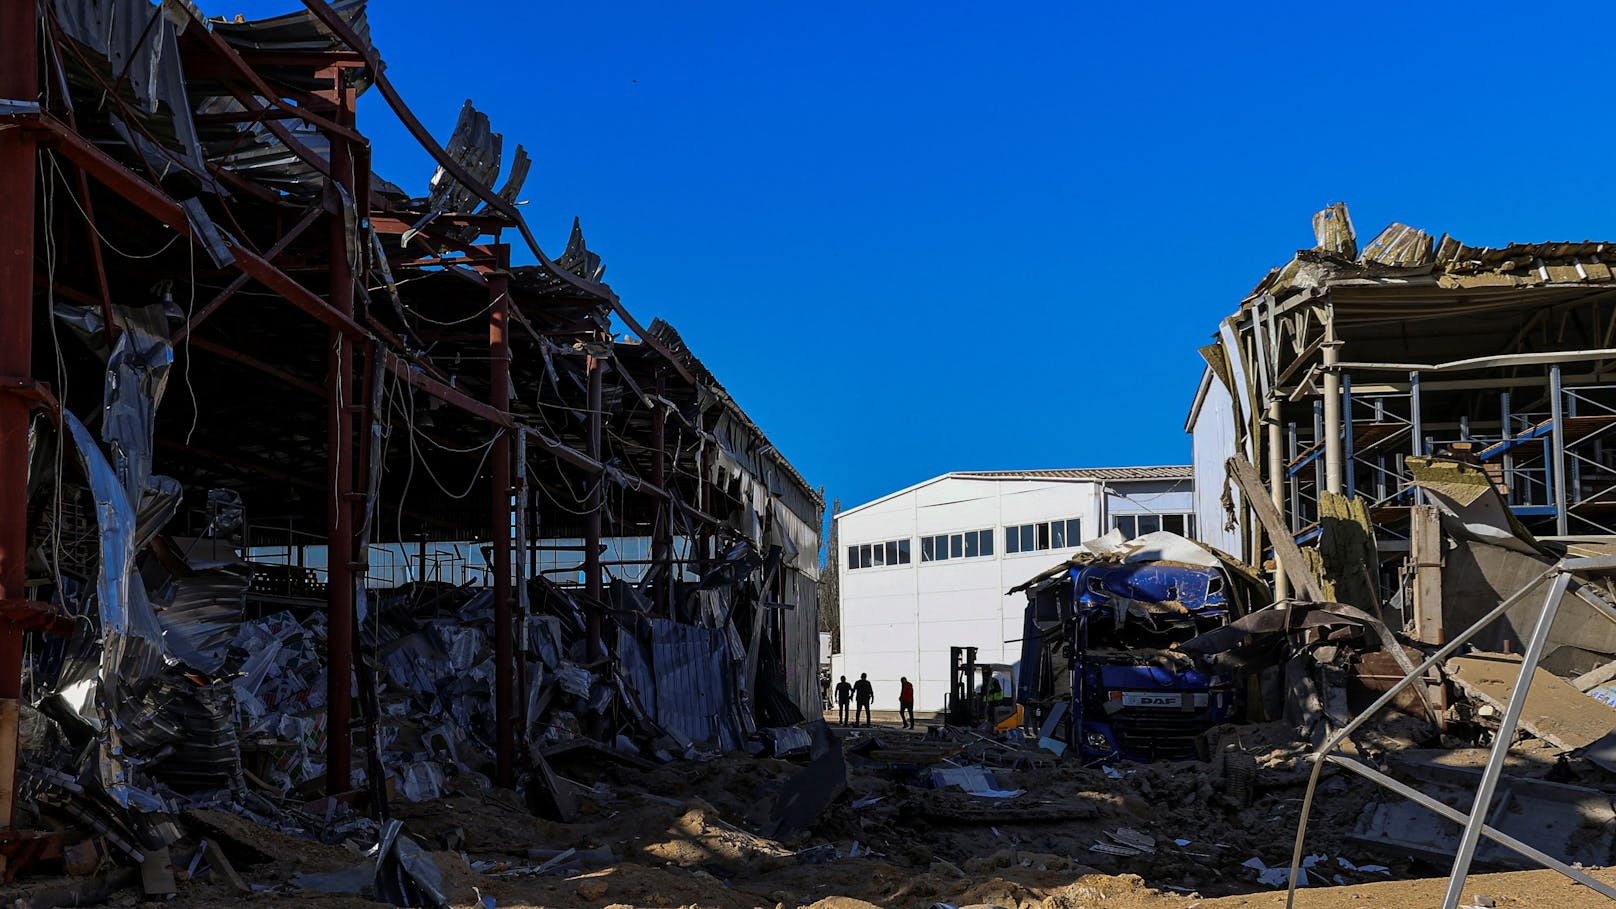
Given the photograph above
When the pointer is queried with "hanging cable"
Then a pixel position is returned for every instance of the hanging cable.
(88, 220)
(476, 315)
(190, 312)
(58, 492)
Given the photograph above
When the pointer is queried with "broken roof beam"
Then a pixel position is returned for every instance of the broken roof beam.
(343, 31)
(241, 280)
(1286, 552)
(155, 202)
(411, 374)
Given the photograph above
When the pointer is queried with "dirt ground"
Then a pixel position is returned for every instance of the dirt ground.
(1161, 836)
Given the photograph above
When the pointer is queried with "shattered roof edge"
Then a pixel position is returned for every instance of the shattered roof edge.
(660, 328)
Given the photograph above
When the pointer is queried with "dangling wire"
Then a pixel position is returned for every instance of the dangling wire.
(190, 310)
(58, 496)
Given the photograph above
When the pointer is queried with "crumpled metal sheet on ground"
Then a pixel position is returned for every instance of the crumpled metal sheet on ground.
(396, 870)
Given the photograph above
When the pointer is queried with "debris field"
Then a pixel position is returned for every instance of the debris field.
(344, 562)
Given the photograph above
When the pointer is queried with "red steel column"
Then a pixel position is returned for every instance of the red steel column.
(19, 81)
(499, 378)
(340, 457)
(662, 528)
(597, 501)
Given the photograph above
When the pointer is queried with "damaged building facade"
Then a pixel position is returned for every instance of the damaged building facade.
(239, 370)
(1412, 440)
(1347, 369)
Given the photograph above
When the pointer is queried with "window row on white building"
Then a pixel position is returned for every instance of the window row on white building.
(1019, 538)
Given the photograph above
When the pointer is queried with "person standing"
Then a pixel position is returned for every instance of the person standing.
(906, 702)
(844, 696)
(864, 695)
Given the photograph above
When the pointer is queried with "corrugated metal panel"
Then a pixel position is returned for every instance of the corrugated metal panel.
(801, 643)
(683, 679)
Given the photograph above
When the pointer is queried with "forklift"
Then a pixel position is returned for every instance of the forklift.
(979, 694)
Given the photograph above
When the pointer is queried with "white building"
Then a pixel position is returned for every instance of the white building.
(927, 567)
(1211, 424)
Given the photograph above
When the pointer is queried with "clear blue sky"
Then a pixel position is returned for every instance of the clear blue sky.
(920, 237)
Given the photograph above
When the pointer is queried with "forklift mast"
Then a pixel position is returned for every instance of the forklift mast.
(961, 670)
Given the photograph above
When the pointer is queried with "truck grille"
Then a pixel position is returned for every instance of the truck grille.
(1159, 733)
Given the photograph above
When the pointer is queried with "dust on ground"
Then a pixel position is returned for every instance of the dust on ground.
(1158, 836)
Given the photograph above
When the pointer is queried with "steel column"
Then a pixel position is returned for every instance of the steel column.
(1502, 740)
(19, 81)
(592, 578)
(662, 528)
(499, 379)
(1562, 518)
(1509, 458)
(522, 565)
(1293, 448)
(1348, 452)
(1416, 427)
(340, 457)
(1332, 408)
(1276, 485)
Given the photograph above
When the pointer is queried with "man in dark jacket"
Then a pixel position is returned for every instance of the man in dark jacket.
(863, 694)
(906, 702)
(844, 696)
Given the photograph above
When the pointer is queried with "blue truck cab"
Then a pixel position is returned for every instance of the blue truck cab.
(1099, 654)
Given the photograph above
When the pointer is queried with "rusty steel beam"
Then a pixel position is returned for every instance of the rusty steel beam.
(251, 362)
(499, 377)
(273, 97)
(392, 224)
(93, 238)
(309, 59)
(120, 180)
(593, 585)
(19, 81)
(241, 280)
(340, 593)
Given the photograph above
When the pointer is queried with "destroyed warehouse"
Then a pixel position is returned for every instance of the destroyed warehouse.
(262, 412)
(1345, 371)
(1432, 424)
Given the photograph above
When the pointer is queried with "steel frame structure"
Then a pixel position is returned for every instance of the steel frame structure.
(362, 353)
(1475, 825)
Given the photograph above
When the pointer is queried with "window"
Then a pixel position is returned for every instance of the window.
(1044, 535)
(1137, 525)
(877, 555)
(970, 544)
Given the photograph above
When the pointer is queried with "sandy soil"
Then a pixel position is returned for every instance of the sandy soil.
(686, 835)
